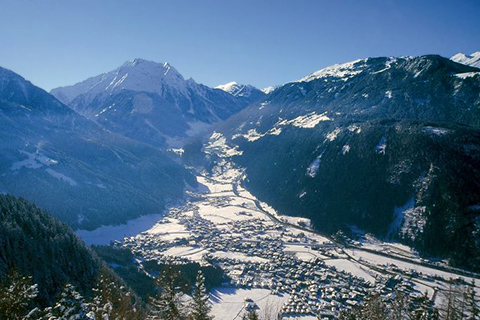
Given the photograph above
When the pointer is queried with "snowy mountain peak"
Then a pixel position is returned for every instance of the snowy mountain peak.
(134, 75)
(149, 68)
(238, 90)
(268, 90)
(470, 60)
(228, 87)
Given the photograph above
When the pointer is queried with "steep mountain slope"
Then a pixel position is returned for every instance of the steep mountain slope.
(389, 145)
(469, 60)
(37, 244)
(150, 102)
(84, 174)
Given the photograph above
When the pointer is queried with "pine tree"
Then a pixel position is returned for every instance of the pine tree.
(16, 295)
(450, 308)
(474, 312)
(168, 305)
(251, 314)
(200, 307)
(69, 306)
(424, 309)
(399, 307)
(112, 301)
(374, 308)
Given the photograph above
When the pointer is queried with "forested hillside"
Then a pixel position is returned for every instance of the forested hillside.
(35, 243)
(387, 145)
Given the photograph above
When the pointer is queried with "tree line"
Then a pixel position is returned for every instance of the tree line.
(114, 301)
(110, 301)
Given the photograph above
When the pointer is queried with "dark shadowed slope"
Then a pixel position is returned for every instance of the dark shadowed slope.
(390, 145)
(81, 172)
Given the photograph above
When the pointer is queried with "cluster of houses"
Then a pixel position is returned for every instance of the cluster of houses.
(254, 256)
(313, 287)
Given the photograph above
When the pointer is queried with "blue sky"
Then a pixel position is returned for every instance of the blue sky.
(60, 42)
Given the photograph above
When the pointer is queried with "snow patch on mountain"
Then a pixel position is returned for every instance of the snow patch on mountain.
(333, 134)
(344, 71)
(268, 90)
(470, 60)
(467, 75)
(414, 221)
(435, 130)
(388, 65)
(105, 110)
(399, 217)
(275, 131)
(217, 144)
(381, 146)
(312, 169)
(252, 135)
(354, 128)
(61, 177)
(307, 121)
(34, 161)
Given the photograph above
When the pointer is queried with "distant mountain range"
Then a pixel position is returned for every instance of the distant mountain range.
(152, 102)
(98, 161)
(386, 145)
(83, 173)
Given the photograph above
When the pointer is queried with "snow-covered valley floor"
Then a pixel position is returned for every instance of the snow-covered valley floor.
(276, 261)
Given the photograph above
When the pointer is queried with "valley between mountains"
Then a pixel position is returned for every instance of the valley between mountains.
(301, 200)
(278, 261)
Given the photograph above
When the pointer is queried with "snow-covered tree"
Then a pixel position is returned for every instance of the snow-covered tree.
(400, 307)
(423, 309)
(168, 305)
(200, 307)
(272, 310)
(70, 306)
(472, 303)
(16, 295)
(112, 301)
(250, 314)
(451, 308)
